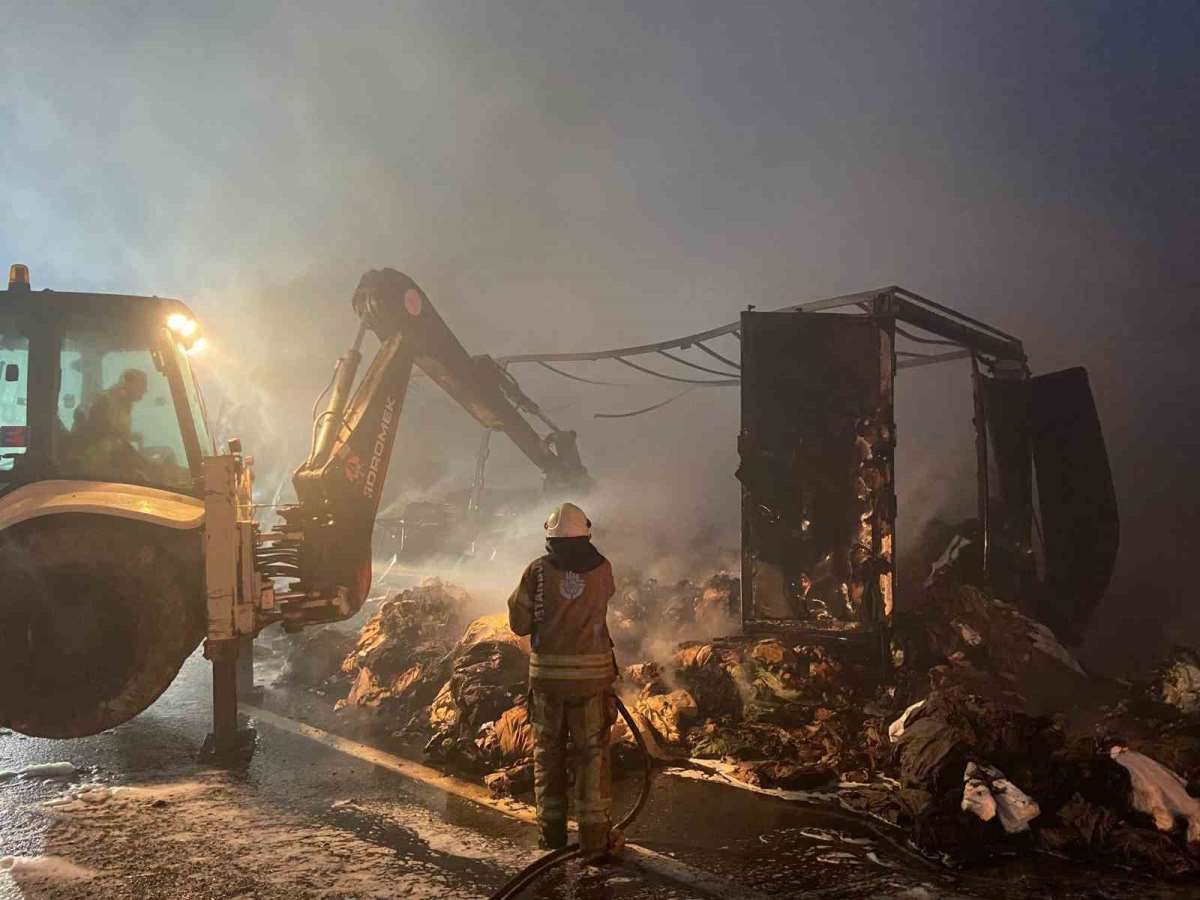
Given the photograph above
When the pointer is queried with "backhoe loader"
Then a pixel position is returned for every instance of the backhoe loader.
(126, 538)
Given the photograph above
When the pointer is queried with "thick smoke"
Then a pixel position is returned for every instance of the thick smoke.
(562, 176)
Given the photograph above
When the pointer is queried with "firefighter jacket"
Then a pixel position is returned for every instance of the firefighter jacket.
(565, 614)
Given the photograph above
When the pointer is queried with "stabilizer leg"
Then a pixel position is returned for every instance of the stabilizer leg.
(245, 666)
(226, 744)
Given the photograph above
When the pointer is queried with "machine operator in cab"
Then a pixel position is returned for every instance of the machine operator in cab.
(103, 438)
(562, 604)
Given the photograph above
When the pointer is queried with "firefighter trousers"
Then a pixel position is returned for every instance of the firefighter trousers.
(586, 722)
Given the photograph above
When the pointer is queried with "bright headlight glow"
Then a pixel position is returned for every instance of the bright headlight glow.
(184, 326)
(198, 345)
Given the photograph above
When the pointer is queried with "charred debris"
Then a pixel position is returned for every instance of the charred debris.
(935, 693)
(986, 737)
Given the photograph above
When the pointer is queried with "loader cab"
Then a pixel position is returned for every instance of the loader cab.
(98, 388)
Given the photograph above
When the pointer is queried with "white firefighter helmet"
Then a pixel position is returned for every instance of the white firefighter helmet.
(568, 520)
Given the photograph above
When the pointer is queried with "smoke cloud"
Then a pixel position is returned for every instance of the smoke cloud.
(570, 175)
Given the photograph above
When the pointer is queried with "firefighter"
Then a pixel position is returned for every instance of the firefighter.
(562, 604)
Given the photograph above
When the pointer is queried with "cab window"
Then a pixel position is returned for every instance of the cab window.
(116, 417)
(14, 396)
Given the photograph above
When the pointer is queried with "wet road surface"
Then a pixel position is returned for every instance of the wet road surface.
(140, 818)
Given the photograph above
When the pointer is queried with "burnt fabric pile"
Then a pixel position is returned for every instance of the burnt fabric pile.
(1176, 682)
(472, 717)
(781, 716)
(312, 658)
(400, 660)
(418, 673)
(957, 635)
(977, 775)
(683, 609)
(989, 737)
(986, 737)
(1004, 742)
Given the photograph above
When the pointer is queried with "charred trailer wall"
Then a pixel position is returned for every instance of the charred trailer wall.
(1009, 483)
(1046, 431)
(1077, 500)
(817, 448)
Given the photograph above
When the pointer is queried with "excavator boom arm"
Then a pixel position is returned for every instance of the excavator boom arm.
(390, 303)
(340, 484)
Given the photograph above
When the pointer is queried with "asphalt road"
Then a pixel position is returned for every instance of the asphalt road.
(139, 817)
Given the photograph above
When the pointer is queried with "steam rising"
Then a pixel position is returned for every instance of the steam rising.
(562, 176)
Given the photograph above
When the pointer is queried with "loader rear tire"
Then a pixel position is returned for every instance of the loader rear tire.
(97, 614)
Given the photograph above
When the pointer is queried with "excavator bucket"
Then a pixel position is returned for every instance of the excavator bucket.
(1076, 498)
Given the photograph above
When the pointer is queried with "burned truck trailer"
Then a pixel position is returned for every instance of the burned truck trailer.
(818, 475)
(817, 463)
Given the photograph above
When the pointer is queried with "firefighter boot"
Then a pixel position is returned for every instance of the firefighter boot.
(552, 835)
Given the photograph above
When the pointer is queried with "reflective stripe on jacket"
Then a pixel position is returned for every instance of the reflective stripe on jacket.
(572, 650)
(570, 666)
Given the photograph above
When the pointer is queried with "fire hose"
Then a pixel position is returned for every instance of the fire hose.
(515, 885)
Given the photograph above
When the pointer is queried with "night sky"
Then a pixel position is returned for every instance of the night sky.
(574, 175)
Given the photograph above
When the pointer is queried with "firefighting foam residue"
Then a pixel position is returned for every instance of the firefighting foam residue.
(18, 870)
(260, 846)
(42, 770)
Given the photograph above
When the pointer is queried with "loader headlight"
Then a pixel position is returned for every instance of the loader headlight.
(186, 331)
(184, 326)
